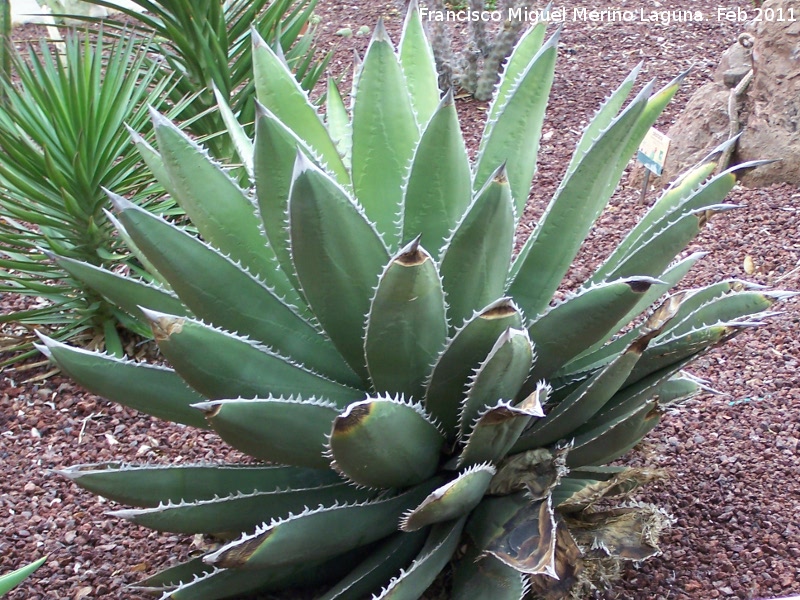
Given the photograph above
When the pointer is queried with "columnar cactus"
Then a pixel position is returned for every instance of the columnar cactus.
(477, 68)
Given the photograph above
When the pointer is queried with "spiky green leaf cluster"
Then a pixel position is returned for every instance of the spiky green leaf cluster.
(208, 42)
(357, 321)
(62, 137)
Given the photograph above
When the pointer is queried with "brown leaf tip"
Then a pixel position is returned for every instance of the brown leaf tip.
(352, 418)
(239, 554)
(500, 310)
(639, 286)
(412, 255)
(164, 327)
(499, 416)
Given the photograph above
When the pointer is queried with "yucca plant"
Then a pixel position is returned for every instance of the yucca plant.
(208, 43)
(5, 46)
(62, 137)
(357, 322)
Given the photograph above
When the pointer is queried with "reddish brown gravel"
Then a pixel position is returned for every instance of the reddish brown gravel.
(733, 457)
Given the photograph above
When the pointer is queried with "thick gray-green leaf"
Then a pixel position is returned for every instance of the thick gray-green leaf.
(338, 256)
(476, 257)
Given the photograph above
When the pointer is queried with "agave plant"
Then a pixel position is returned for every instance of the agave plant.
(357, 323)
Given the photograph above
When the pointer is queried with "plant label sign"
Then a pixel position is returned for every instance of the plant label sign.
(653, 151)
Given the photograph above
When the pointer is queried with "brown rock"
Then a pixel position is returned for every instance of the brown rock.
(774, 99)
(734, 65)
(701, 127)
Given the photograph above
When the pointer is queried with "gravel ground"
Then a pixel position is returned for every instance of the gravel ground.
(733, 457)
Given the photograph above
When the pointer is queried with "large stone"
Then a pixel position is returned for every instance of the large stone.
(702, 126)
(773, 99)
(768, 109)
(735, 63)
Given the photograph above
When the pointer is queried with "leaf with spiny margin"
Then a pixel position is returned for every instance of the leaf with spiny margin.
(439, 187)
(633, 396)
(669, 350)
(569, 568)
(478, 577)
(148, 486)
(670, 278)
(406, 325)
(239, 512)
(586, 401)
(386, 560)
(127, 293)
(498, 428)
(688, 185)
(241, 142)
(278, 90)
(462, 356)
(452, 500)
(655, 106)
(150, 389)
(419, 66)
(653, 255)
(385, 134)
(549, 251)
(724, 301)
(384, 442)
(219, 364)
(696, 298)
(525, 49)
(566, 384)
(512, 138)
(499, 377)
(338, 256)
(170, 578)
(599, 355)
(582, 319)
(338, 122)
(227, 296)
(153, 160)
(679, 389)
(218, 207)
(476, 257)
(602, 119)
(677, 203)
(580, 370)
(612, 439)
(274, 156)
(202, 582)
(319, 533)
(727, 308)
(439, 548)
(126, 239)
(517, 531)
(277, 430)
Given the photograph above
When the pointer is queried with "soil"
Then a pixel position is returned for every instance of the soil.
(733, 456)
